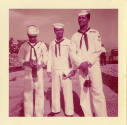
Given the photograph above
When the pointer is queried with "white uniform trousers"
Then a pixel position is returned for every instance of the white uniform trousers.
(92, 99)
(29, 85)
(57, 82)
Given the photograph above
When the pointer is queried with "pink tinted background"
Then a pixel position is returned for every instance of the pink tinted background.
(104, 20)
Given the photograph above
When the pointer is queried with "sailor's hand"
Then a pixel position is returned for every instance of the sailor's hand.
(84, 68)
(72, 73)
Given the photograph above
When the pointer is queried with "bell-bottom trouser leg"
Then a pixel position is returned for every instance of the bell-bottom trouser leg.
(85, 98)
(67, 92)
(96, 90)
(29, 85)
(68, 96)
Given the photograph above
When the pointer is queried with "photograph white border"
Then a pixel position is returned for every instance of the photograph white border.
(121, 5)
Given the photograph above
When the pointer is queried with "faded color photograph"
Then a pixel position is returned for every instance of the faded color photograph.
(63, 62)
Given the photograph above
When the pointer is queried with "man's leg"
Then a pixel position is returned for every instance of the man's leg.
(28, 94)
(55, 92)
(97, 93)
(68, 96)
(85, 98)
(39, 95)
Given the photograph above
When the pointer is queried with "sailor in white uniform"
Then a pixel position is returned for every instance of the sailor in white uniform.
(58, 64)
(88, 47)
(33, 55)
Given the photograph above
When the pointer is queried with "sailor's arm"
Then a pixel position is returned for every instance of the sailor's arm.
(73, 52)
(94, 56)
(21, 54)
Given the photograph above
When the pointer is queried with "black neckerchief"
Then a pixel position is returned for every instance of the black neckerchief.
(32, 47)
(85, 38)
(57, 43)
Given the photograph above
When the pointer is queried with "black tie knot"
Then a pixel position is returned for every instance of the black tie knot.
(86, 40)
(58, 43)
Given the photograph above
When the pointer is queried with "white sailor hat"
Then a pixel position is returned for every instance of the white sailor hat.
(32, 30)
(58, 25)
(84, 12)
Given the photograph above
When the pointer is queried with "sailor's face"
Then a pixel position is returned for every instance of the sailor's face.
(32, 39)
(59, 32)
(83, 20)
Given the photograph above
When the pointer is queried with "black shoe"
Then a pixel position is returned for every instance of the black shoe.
(52, 114)
(69, 115)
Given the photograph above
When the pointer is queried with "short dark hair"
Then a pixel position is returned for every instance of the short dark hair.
(31, 35)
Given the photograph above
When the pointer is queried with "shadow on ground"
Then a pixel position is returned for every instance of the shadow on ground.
(110, 81)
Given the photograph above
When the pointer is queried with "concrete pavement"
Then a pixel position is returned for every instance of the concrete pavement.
(16, 85)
